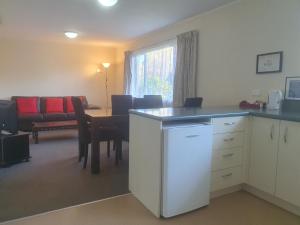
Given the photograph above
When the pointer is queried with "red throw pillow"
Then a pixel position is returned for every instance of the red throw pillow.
(70, 107)
(54, 105)
(27, 105)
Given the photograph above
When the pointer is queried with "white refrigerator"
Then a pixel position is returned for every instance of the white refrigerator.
(186, 168)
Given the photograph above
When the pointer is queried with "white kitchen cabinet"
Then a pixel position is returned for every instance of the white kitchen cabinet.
(226, 178)
(288, 168)
(228, 124)
(228, 151)
(263, 154)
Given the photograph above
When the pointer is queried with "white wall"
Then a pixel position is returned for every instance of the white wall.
(230, 39)
(54, 69)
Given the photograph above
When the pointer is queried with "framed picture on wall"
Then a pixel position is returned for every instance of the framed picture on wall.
(269, 63)
(292, 88)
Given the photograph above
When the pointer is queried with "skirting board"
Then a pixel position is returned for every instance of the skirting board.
(260, 194)
(272, 199)
(225, 191)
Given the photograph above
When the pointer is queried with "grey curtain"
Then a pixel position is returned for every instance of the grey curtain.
(185, 84)
(127, 72)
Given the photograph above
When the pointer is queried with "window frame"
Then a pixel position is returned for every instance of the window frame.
(155, 47)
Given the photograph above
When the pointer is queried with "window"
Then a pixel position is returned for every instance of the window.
(153, 71)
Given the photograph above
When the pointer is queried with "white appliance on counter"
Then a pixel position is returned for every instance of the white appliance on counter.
(274, 101)
(186, 168)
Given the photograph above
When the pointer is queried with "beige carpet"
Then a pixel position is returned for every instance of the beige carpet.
(53, 179)
(239, 208)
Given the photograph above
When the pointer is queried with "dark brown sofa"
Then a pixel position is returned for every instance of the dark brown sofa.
(25, 120)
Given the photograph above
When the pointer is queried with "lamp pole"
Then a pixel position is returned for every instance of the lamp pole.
(106, 86)
(106, 66)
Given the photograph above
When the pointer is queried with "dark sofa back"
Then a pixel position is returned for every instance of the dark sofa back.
(41, 101)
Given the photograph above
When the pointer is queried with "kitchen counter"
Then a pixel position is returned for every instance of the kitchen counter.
(173, 114)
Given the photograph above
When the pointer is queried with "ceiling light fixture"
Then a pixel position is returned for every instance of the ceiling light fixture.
(108, 3)
(71, 35)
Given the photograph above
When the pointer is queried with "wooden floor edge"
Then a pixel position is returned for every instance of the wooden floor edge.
(62, 209)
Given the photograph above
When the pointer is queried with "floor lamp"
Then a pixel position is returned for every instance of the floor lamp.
(106, 66)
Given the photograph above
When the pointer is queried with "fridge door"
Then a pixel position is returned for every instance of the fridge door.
(186, 169)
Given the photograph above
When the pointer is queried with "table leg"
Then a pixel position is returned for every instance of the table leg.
(35, 136)
(95, 156)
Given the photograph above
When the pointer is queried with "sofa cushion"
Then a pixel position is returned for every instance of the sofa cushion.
(27, 105)
(14, 98)
(55, 116)
(69, 105)
(33, 117)
(54, 105)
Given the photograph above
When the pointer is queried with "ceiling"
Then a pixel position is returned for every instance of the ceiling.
(49, 19)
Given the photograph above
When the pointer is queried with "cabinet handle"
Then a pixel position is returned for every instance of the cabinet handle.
(228, 155)
(228, 139)
(192, 136)
(285, 137)
(227, 175)
(272, 132)
(229, 124)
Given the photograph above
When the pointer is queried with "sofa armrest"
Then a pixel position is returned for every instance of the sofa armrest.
(93, 107)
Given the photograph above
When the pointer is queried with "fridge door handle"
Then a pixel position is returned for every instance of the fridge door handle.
(192, 136)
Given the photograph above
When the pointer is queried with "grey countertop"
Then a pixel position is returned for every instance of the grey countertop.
(173, 114)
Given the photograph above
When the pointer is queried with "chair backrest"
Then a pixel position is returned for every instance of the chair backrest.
(139, 103)
(193, 102)
(121, 104)
(81, 118)
(153, 101)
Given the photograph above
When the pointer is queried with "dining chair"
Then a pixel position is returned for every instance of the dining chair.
(121, 104)
(193, 102)
(139, 103)
(153, 101)
(84, 132)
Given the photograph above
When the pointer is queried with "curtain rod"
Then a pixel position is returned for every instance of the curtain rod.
(153, 45)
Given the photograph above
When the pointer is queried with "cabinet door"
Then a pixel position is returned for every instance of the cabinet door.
(288, 169)
(263, 156)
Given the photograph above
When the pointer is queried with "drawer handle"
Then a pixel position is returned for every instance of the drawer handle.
(229, 124)
(227, 175)
(272, 132)
(192, 136)
(228, 139)
(228, 155)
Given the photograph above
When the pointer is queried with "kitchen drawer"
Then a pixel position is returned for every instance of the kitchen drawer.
(226, 159)
(226, 178)
(228, 140)
(228, 124)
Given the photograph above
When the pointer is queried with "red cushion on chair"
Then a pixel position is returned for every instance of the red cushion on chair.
(27, 105)
(54, 105)
(70, 107)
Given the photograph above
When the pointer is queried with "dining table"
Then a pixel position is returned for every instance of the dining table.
(100, 118)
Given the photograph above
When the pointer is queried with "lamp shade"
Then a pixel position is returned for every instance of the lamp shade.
(106, 65)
